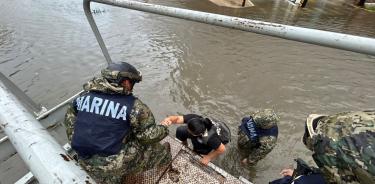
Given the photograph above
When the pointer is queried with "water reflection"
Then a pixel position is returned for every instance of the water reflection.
(228, 79)
(231, 163)
(6, 43)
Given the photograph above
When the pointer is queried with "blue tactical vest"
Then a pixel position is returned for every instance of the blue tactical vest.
(253, 132)
(304, 179)
(102, 123)
(310, 179)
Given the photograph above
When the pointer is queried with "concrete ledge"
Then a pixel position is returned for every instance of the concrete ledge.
(370, 7)
(232, 3)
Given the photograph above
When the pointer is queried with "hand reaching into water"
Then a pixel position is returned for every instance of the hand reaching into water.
(287, 172)
(172, 120)
(166, 122)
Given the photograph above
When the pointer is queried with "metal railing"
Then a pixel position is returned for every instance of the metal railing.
(324, 38)
(47, 112)
(38, 149)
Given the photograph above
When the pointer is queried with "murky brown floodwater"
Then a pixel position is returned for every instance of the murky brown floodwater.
(48, 49)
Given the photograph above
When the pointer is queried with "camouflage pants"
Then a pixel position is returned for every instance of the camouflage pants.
(133, 158)
(253, 155)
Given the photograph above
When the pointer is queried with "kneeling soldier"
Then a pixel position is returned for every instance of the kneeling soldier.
(113, 132)
(257, 136)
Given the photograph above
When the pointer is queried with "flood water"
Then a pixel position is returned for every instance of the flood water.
(48, 49)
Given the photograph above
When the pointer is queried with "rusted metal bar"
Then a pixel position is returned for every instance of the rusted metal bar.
(90, 18)
(38, 149)
(353, 43)
(43, 115)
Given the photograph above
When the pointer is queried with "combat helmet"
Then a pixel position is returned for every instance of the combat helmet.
(118, 72)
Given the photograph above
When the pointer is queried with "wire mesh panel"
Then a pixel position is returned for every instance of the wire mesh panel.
(184, 168)
(154, 175)
(148, 177)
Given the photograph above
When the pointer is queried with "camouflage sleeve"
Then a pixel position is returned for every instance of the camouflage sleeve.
(267, 143)
(143, 124)
(345, 159)
(70, 118)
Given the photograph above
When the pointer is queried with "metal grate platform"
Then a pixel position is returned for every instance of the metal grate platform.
(184, 168)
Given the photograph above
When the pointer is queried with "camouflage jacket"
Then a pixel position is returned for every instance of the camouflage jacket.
(265, 119)
(140, 151)
(344, 148)
(142, 121)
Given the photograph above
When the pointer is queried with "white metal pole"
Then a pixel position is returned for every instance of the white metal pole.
(45, 158)
(353, 43)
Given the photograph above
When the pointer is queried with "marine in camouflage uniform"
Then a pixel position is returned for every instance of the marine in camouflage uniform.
(140, 148)
(343, 146)
(257, 139)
